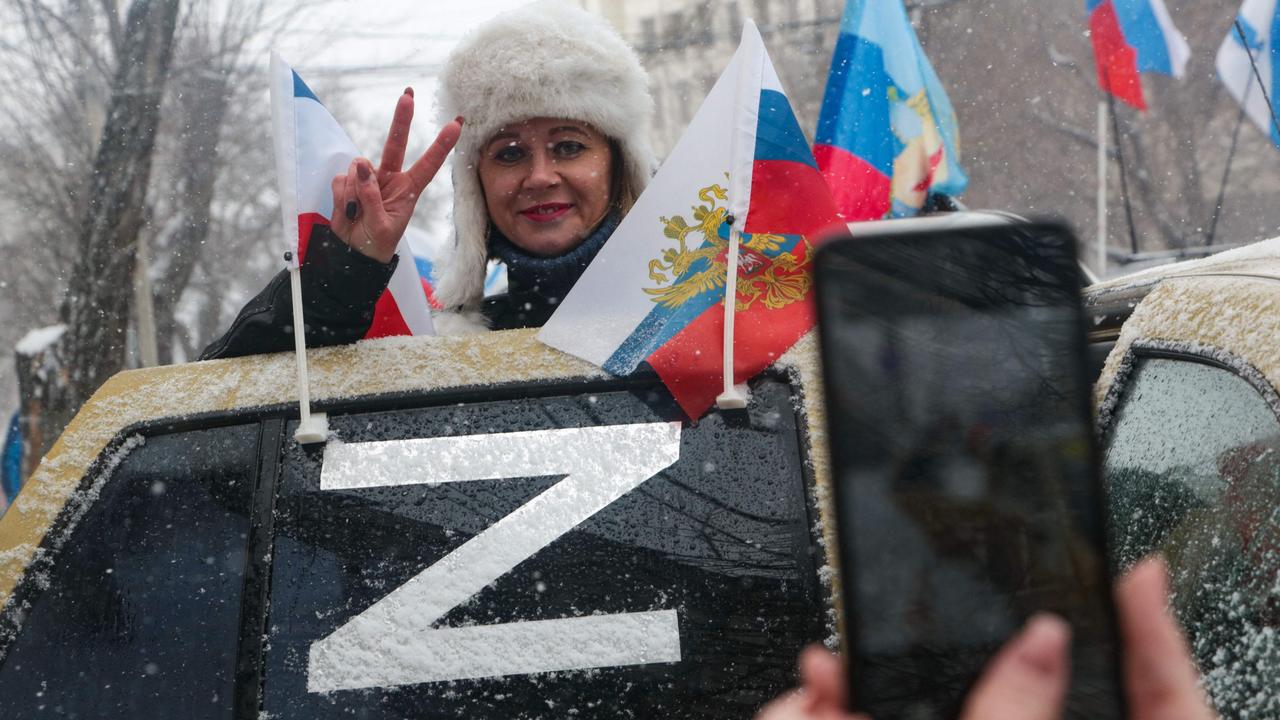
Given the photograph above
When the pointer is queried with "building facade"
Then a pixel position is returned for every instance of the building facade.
(685, 45)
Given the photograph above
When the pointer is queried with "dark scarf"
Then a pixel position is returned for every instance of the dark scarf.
(536, 285)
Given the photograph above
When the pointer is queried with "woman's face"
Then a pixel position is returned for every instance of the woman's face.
(546, 183)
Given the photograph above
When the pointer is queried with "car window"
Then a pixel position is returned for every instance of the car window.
(1193, 467)
(580, 555)
(139, 614)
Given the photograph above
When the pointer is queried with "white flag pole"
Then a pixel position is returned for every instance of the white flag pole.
(312, 427)
(746, 112)
(731, 398)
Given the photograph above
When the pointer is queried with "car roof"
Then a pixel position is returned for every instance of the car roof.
(368, 369)
(1260, 259)
(1224, 309)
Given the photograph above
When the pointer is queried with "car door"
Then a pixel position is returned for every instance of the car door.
(1192, 463)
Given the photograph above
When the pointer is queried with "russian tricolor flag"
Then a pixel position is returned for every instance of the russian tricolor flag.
(1259, 22)
(656, 292)
(311, 148)
(887, 134)
(1133, 36)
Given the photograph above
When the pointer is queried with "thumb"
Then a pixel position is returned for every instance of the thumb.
(1027, 679)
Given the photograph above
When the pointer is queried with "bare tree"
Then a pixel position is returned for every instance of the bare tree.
(212, 72)
(194, 198)
(96, 305)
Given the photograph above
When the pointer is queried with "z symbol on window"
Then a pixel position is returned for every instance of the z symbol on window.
(396, 641)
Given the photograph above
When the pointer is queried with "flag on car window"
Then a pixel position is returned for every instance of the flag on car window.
(1259, 23)
(656, 291)
(887, 135)
(311, 148)
(1133, 36)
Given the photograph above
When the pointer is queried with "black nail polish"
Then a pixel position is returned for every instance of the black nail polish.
(352, 208)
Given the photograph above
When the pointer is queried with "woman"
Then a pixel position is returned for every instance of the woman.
(551, 133)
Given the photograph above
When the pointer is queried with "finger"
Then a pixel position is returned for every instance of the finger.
(397, 136)
(339, 222)
(1027, 679)
(373, 234)
(429, 164)
(822, 675)
(1159, 674)
(367, 193)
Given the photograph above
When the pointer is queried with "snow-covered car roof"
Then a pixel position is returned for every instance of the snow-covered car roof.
(1226, 306)
(1260, 258)
(364, 370)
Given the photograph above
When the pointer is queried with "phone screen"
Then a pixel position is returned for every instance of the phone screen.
(967, 495)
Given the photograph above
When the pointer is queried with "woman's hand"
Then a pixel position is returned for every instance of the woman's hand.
(1028, 678)
(372, 208)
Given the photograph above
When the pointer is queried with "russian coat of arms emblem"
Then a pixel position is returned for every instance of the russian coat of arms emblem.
(773, 270)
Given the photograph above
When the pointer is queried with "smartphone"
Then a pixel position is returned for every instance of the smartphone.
(964, 462)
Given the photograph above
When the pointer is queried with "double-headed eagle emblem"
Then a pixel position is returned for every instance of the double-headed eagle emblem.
(772, 269)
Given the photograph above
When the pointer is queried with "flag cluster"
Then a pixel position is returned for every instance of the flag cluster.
(1136, 36)
(742, 176)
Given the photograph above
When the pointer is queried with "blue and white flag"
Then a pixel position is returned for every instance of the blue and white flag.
(1260, 22)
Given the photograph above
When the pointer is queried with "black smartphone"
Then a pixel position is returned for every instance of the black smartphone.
(964, 462)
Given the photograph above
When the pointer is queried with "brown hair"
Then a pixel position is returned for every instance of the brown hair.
(622, 191)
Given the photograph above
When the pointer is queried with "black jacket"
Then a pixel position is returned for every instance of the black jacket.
(340, 287)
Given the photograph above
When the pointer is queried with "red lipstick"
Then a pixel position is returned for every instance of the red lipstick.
(546, 212)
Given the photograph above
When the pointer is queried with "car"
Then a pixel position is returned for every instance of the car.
(179, 554)
(1189, 416)
(493, 530)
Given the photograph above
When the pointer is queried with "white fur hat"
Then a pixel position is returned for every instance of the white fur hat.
(545, 59)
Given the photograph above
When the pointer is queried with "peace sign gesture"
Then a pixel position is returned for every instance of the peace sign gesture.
(371, 210)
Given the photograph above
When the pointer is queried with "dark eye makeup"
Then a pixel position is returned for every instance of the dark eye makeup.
(512, 152)
(508, 154)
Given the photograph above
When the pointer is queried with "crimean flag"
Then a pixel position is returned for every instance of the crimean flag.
(1260, 22)
(311, 148)
(1131, 37)
(656, 292)
(887, 134)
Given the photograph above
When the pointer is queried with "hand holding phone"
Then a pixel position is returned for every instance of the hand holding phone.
(1022, 684)
(964, 468)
